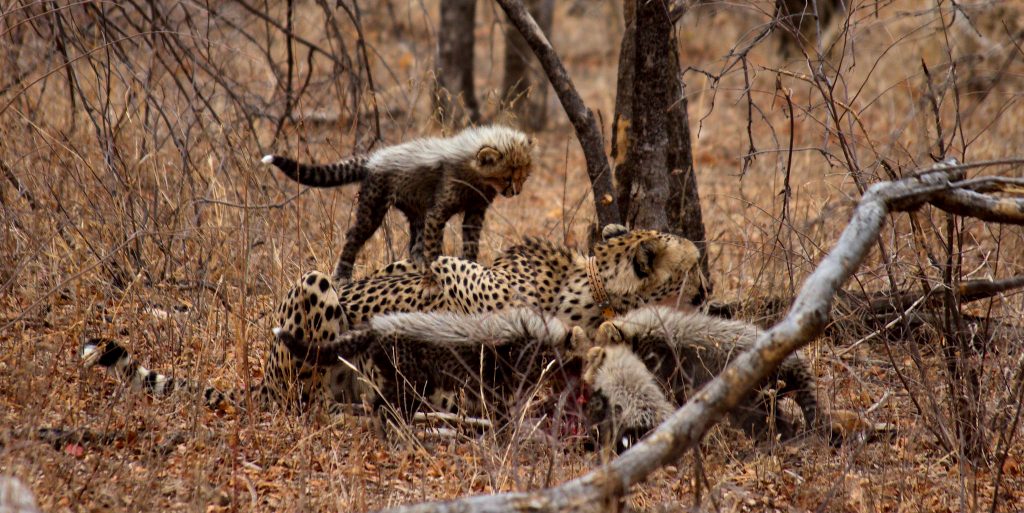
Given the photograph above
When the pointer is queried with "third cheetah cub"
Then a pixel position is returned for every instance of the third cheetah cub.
(687, 350)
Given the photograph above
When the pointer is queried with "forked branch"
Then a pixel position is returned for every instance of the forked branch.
(587, 130)
(806, 319)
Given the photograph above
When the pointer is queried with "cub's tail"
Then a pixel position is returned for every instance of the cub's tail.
(347, 171)
(116, 359)
(325, 354)
(799, 379)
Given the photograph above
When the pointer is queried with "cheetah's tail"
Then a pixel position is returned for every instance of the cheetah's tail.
(116, 359)
(347, 171)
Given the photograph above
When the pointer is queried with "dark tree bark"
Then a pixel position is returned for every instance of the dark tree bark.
(582, 118)
(454, 97)
(648, 194)
(684, 212)
(623, 118)
(525, 87)
(656, 186)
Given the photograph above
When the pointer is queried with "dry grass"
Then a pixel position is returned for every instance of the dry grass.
(143, 215)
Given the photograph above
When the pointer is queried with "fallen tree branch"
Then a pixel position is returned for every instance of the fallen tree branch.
(582, 118)
(871, 304)
(602, 488)
(981, 206)
(967, 291)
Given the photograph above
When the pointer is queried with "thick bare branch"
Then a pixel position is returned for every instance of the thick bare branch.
(872, 304)
(587, 130)
(805, 321)
(982, 206)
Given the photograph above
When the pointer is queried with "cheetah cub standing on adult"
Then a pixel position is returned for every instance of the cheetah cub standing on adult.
(429, 180)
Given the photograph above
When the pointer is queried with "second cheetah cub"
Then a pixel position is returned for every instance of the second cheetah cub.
(429, 180)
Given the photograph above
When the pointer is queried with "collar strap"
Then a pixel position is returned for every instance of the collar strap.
(597, 289)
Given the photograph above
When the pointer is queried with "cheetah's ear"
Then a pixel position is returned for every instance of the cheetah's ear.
(532, 143)
(487, 156)
(643, 259)
(612, 231)
(607, 334)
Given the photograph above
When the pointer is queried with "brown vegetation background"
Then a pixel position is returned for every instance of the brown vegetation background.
(134, 206)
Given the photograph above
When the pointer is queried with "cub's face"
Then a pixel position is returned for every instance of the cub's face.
(625, 402)
(506, 169)
(649, 265)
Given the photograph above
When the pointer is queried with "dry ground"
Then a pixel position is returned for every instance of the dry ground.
(157, 226)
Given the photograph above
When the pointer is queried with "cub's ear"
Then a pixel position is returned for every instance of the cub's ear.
(608, 334)
(533, 142)
(612, 231)
(487, 156)
(644, 257)
(578, 339)
(591, 363)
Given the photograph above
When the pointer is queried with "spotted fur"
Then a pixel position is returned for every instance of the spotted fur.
(429, 180)
(636, 266)
(686, 350)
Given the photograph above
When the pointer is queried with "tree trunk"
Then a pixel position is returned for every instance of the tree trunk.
(623, 118)
(454, 99)
(802, 23)
(649, 192)
(525, 89)
(684, 213)
(656, 186)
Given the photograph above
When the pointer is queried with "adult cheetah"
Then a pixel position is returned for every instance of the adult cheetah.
(627, 270)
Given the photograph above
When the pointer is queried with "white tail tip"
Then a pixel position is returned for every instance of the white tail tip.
(276, 330)
(267, 159)
(89, 354)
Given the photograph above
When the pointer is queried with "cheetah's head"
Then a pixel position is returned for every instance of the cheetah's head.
(649, 265)
(505, 159)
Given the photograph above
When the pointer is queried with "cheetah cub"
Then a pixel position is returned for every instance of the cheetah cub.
(684, 351)
(626, 401)
(429, 180)
(416, 359)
